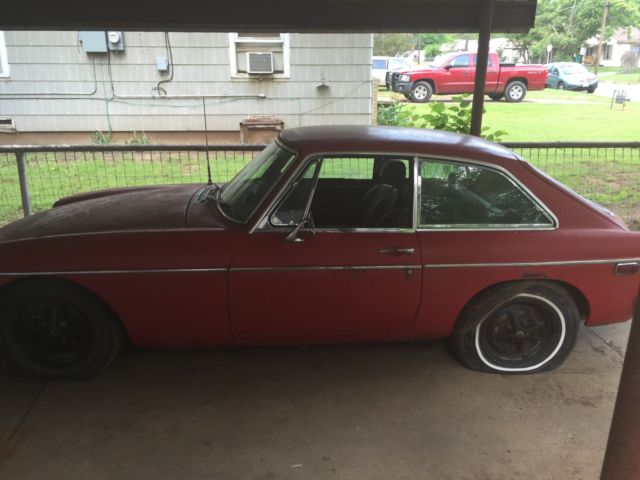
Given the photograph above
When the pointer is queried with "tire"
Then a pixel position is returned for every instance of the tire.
(591, 89)
(56, 330)
(522, 327)
(421, 92)
(496, 96)
(560, 86)
(515, 91)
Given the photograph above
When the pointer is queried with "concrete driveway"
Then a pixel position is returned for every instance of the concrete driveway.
(606, 89)
(392, 411)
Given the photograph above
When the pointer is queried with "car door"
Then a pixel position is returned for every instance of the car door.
(461, 75)
(343, 280)
(493, 74)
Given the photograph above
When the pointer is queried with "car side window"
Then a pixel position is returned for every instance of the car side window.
(460, 61)
(352, 192)
(459, 195)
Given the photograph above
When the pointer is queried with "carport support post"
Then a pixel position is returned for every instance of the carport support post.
(622, 458)
(24, 186)
(482, 57)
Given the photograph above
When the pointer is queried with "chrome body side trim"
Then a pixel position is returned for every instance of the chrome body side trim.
(116, 272)
(528, 264)
(117, 232)
(326, 268)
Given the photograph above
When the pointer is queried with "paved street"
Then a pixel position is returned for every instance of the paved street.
(404, 411)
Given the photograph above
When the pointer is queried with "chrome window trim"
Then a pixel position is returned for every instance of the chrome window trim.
(118, 272)
(262, 224)
(326, 268)
(552, 263)
(461, 227)
(266, 195)
(293, 184)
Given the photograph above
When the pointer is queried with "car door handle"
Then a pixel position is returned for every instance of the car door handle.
(396, 251)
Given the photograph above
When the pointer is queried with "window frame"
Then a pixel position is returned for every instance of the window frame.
(281, 40)
(263, 224)
(555, 224)
(4, 61)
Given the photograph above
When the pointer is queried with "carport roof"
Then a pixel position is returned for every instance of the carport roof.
(276, 15)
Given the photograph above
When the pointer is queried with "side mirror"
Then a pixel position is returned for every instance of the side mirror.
(447, 67)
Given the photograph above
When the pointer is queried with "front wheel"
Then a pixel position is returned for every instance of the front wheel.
(515, 91)
(517, 328)
(421, 92)
(591, 89)
(55, 330)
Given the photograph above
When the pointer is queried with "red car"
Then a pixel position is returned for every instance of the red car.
(332, 234)
(456, 73)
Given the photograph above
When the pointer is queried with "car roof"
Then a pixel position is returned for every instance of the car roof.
(379, 139)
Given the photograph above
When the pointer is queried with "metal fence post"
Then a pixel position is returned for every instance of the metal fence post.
(24, 185)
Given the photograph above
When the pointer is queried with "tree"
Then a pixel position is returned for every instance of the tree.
(567, 24)
(391, 44)
(431, 42)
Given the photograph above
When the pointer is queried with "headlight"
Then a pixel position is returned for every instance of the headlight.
(405, 78)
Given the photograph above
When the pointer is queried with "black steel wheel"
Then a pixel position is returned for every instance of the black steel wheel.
(56, 330)
(517, 328)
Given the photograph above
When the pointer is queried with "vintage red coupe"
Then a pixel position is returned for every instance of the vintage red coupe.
(331, 234)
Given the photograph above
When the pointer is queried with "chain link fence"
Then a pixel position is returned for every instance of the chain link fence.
(32, 178)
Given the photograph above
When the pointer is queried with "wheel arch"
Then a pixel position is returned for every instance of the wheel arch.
(430, 81)
(517, 79)
(53, 279)
(576, 294)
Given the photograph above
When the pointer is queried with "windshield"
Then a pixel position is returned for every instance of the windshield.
(441, 60)
(240, 198)
(572, 69)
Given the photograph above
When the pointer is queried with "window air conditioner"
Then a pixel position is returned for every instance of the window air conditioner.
(259, 62)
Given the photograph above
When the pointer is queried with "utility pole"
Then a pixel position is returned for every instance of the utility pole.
(601, 39)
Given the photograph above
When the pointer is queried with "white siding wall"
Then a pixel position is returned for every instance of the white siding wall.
(53, 85)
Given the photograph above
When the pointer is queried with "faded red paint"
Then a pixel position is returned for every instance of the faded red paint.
(163, 228)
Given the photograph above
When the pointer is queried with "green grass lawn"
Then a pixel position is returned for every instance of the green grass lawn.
(52, 176)
(619, 76)
(559, 115)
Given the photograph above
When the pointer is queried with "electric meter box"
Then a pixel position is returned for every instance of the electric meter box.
(93, 42)
(115, 41)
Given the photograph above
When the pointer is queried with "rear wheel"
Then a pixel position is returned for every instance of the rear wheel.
(515, 91)
(560, 86)
(517, 328)
(421, 92)
(55, 330)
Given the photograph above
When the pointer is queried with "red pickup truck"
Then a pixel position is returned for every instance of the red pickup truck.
(455, 73)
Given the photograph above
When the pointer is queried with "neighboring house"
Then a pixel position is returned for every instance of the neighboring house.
(61, 86)
(623, 40)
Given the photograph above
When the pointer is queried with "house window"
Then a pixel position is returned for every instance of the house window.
(261, 45)
(606, 54)
(4, 62)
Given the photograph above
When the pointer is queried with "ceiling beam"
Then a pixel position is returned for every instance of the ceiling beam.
(273, 15)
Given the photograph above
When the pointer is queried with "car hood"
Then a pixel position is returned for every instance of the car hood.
(155, 207)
